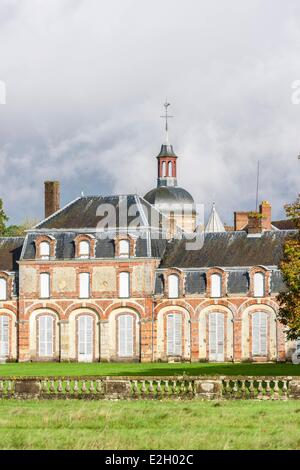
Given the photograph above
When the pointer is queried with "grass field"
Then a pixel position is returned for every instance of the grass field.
(72, 369)
(149, 425)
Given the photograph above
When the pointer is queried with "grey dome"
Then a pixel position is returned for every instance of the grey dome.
(168, 195)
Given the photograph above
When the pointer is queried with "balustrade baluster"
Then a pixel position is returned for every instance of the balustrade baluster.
(52, 388)
(151, 389)
(276, 390)
(159, 387)
(268, 390)
(68, 386)
(92, 388)
(9, 386)
(243, 388)
(235, 388)
(174, 388)
(76, 388)
(1, 386)
(167, 386)
(182, 387)
(251, 389)
(260, 390)
(99, 386)
(144, 389)
(59, 387)
(284, 390)
(83, 387)
(190, 387)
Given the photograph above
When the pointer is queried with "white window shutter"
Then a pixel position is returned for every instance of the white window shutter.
(256, 334)
(259, 284)
(46, 336)
(173, 281)
(213, 335)
(84, 249)
(45, 285)
(263, 333)
(216, 285)
(4, 336)
(126, 335)
(84, 285)
(124, 284)
(45, 250)
(3, 289)
(174, 334)
(85, 336)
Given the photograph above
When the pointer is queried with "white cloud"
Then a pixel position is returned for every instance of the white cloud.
(87, 80)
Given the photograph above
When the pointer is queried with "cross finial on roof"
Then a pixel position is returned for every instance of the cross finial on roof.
(166, 116)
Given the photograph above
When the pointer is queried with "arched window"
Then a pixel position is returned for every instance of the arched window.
(4, 335)
(125, 335)
(163, 171)
(216, 285)
(173, 281)
(84, 249)
(85, 338)
(216, 336)
(259, 334)
(170, 173)
(44, 285)
(84, 285)
(174, 334)
(3, 289)
(124, 284)
(124, 248)
(45, 250)
(46, 331)
(259, 284)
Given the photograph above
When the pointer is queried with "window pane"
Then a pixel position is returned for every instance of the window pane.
(45, 250)
(3, 289)
(124, 248)
(84, 249)
(174, 334)
(259, 288)
(4, 335)
(45, 285)
(126, 335)
(124, 288)
(216, 282)
(84, 285)
(173, 286)
(46, 335)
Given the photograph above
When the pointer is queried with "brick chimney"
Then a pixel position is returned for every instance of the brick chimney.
(240, 220)
(52, 197)
(254, 222)
(265, 209)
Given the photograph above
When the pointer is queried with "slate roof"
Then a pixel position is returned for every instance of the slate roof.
(228, 249)
(284, 224)
(65, 247)
(10, 251)
(82, 213)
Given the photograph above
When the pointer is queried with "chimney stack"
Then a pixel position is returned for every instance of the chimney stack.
(266, 211)
(254, 222)
(52, 197)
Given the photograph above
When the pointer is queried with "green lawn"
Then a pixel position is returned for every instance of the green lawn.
(73, 369)
(149, 425)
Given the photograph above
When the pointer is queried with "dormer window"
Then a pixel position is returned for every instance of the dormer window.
(259, 284)
(45, 250)
(173, 283)
(3, 288)
(216, 285)
(84, 249)
(124, 248)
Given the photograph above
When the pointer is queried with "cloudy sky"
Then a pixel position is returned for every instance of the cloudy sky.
(86, 80)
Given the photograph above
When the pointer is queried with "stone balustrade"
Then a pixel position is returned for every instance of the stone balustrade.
(179, 387)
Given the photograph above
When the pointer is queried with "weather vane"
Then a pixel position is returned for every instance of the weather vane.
(166, 116)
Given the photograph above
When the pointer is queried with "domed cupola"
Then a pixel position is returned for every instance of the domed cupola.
(174, 202)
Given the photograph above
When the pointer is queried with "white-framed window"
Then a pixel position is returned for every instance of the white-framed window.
(45, 250)
(124, 248)
(46, 335)
(164, 171)
(85, 338)
(173, 283)
(4, 335)
(44, 285)
(259, 284)
(3, 288)
(259, 333)
(170, 169)
(84, 249)
(174, 334)
(125, 335)
(124, 284)
(216, 285)
(84, 285)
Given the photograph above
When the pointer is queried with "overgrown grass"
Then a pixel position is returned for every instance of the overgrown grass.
(73, 369)
(149, 425)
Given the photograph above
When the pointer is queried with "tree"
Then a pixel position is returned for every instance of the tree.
(3, 219)
(289, 299)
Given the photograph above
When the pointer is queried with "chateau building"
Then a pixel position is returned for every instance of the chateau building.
(121, 278)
